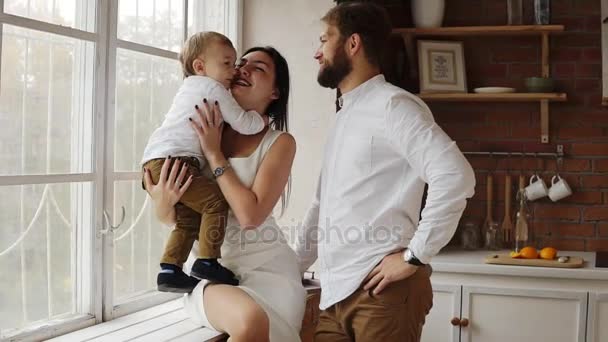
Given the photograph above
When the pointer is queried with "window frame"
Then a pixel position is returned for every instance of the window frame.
(94, 283)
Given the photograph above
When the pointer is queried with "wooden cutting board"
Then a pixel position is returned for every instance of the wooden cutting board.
(505, 259)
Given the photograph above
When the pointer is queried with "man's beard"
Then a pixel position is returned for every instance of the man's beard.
(333, 74)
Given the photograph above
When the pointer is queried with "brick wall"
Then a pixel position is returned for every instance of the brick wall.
(579, 222)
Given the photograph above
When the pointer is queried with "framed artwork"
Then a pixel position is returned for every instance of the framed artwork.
(441, 67)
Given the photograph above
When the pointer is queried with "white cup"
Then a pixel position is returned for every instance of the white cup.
(559, 188)
(537, 188)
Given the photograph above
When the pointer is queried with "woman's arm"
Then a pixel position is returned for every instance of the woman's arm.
(168, 191)
(250, 206)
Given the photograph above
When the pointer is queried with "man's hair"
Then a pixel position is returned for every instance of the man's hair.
(198, 44)
(367, 19)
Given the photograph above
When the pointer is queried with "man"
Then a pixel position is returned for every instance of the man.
(371, 247)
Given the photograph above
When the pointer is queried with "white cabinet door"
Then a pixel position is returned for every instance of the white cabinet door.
(446, 306)
(507, 315)
(598, 317)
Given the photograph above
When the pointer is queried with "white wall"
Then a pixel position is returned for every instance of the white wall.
(293, 28)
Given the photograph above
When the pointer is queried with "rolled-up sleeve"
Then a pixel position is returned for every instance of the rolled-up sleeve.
(435, 159)
(245, 122)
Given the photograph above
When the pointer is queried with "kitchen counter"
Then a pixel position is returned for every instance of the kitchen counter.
(472, 262)
(502, 303)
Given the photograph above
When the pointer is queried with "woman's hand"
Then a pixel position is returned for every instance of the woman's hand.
(210, 129)
(169, 190)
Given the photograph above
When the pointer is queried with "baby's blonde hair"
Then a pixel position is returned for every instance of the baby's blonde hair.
(196, 45)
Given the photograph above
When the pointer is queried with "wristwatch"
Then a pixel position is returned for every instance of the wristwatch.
(220, 170)
(411, 259)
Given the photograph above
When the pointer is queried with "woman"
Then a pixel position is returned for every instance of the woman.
(269, 303)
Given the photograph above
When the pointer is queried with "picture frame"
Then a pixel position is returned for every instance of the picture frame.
(441, 67)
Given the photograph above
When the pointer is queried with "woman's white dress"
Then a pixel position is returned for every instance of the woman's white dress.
(262, 260)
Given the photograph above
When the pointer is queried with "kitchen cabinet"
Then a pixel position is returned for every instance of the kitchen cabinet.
(311, 315)
(446, 306)
(477, 302)
(598, 317)
(505, 314)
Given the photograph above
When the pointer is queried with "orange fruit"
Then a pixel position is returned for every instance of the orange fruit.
(515, 255)
(548, 253)
(529, 253)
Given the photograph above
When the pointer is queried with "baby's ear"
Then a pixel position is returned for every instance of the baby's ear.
(198, 65)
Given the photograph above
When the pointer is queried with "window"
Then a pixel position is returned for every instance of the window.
(83, 83)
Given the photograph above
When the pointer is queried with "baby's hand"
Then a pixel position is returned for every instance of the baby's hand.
(266, 120)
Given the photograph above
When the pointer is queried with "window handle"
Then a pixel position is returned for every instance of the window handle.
(108, 222)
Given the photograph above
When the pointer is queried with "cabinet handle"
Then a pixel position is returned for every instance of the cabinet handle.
(464, 323)
(455, 321)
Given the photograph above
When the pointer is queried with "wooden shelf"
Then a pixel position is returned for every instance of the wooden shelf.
(507, 30)
(542, 98)
(409, 36)
(507, 97)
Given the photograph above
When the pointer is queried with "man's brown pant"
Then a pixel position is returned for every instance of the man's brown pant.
(203, 197)
(395, 314)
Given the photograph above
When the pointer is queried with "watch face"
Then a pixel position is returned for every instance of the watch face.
(218, 171)
(408, 255)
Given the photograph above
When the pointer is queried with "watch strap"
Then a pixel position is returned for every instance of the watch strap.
(412, 260)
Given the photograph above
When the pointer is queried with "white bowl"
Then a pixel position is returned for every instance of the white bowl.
(494, 90)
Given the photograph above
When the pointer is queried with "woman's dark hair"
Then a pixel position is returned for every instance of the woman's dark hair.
(277, 110)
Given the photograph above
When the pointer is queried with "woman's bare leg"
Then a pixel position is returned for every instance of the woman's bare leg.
(232, 310)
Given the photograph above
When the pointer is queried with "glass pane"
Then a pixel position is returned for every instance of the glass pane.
(138, 243)
(45, 103)
(208, 15)
(158, 23)
(145, 86)
(37, 253)
(79, 14)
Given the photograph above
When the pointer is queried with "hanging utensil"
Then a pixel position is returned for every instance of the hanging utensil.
(489, 224)
(507, 225)
(521, 220)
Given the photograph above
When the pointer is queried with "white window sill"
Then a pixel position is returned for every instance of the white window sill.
(165, 322)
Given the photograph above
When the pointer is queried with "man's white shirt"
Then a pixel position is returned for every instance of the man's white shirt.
(384, 147)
